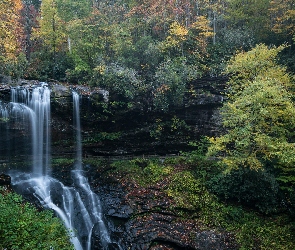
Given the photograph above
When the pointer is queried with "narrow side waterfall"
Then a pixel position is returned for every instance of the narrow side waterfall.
(92, 212)
(77, 206)
(77, 126)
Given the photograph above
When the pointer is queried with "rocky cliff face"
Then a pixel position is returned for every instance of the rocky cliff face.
(144, 218)
(111, 128)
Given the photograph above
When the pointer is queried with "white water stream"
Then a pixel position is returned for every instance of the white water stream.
(77, 206)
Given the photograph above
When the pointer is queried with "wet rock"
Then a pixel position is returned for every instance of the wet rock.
(122, 212)
(5, 180)
(113, 246)
(59, 90)
(210, 240)
(151, 224)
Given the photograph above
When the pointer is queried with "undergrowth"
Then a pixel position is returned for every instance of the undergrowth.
(23, 227)
(187, 179)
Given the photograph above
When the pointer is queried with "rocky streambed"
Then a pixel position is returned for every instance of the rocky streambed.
(147, 218)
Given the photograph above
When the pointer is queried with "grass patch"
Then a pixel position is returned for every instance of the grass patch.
(144, 172)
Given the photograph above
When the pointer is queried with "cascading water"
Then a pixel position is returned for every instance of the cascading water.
(34, 108)
(92, 212)
(40, 104)
(77, 206)
(77, 125)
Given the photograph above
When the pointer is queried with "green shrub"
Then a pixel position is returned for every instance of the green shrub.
(23, 227)
(256, 189)
(118, 79)
(155, 172)
(170, 81)
(58, 162)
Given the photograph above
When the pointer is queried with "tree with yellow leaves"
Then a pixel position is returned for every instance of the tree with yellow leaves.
(259, 116)
(190, 40)
(11, 35)
(10, 30)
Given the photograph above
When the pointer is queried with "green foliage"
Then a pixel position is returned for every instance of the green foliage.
(187, 191)
(261, 61)
(198, 154)
(154, 172)
(102, 137)
(52, 31)
(251, 230)
(23, 227)
(252, 15)
(118, 80)
(145, 172)
(58, 162)
(170, 82)
(259, 117)
(15, 68)
(42, 67)
(237, 39)
(161, 129)
(257, 149)
(256, 189)
(72, 9)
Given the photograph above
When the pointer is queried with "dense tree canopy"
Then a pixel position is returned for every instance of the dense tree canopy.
(259, 116)
(68, 40)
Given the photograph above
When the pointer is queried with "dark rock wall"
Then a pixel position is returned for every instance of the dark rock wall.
(109, 130)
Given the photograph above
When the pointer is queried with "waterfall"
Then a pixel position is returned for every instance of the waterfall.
(91, 199)
(34, 108)
(40, 104)
(77, 206)
(77, 125)
(51, 194)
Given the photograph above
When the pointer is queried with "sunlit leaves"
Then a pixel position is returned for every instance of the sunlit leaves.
(245, 67)
(188, 40)
(260, 115)
(177, 36)
(200, 31)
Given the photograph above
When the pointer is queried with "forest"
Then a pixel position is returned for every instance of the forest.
(153, 50)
